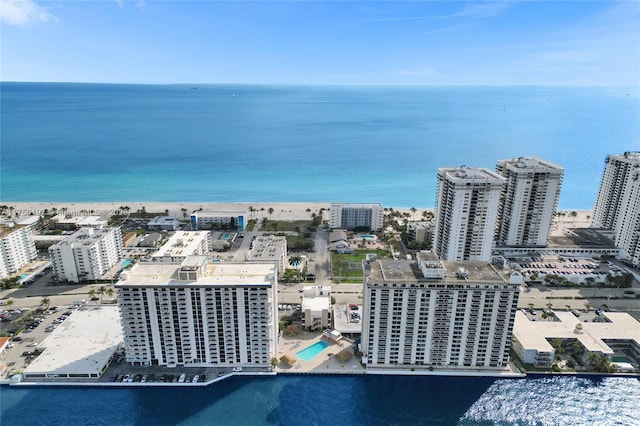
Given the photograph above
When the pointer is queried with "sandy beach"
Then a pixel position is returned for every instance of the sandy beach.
(281, 211)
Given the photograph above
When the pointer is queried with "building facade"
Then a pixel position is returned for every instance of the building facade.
(467, 203)
(351, 216)
(198, 313)
(219, 220)
(269, 248)
(528, 201)
(618, 203)
(433, 314)
(17, 247)
(88, 254)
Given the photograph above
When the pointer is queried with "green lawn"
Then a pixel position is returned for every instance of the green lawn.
(348, 267)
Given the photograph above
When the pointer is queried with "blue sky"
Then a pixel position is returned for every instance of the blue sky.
(331, 42)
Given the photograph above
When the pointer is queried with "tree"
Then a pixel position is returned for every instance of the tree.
(184, 213)
(270, 211)
(568, 307)
(295, 262)
(110, 291)
(251, 210)
(45, 302)
(274, 362)
(92, 293)
(101, 291)
(413, 211)
(573, 214)
(9, 303)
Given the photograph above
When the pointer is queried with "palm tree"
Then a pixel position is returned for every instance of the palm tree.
(413, 211)
(270, 211)
(92, 293)
(573, 214)
(9, 303)
(101, 291)
(251, 210)
(568, 307)
(110, 291)
(45, 302)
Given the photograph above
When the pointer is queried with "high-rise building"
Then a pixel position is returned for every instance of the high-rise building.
(350, 216)
(17, 247)
(618, 203)
(199, 313)
(467, 204)
(88, 254)
(432, 313)
(528, 201)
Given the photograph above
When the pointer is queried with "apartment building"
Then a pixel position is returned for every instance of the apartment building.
(528, 201)
(351, 216)
(430, 313)
(219, 220)
(17, 246)
(269, 248)
(618, 203)
(183, 244)
(199, 313)
(88, 254)
(467, 203)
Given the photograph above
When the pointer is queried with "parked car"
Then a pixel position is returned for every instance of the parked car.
(195, 378)
(237, 369)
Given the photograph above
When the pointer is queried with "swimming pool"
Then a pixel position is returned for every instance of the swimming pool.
(126, 263)
(312, 351)
(224, 237)
(368, 237)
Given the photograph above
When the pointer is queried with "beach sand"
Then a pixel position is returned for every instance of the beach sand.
(281, 211)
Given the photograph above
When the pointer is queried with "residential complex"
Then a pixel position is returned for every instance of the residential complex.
(351, 216)
(316, 306)
(17, 247)
(219, 220)
(163, 223)
(88, 254)
(432, 313)
(269, 248)
(618, 203)
(528, 201)
(183, 244)
(199, 313)
(467, 203)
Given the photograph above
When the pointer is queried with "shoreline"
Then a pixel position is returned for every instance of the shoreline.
(281, 210)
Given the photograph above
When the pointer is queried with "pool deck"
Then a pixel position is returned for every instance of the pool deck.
(322, 363)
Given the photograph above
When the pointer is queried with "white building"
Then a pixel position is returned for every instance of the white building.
(430, 313)
(88, 254)
(219, 219)
(183, 244)
(467, 203)
(618, 203)
(350, 216)
(163, 223)
(198, 313)
(316, 305)
(269, 248)
(71, 223)
(17, 246)
(528, 201)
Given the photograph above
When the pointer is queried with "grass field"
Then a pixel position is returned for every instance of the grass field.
(348, 267)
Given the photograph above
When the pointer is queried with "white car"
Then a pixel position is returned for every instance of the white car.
(195, 379)
(237, 369)
(32, 344)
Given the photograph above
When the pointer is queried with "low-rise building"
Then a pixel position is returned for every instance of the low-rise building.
(183, 244)
(268, 249)
(219, 220)
(316, 307)
(163, 223)
(73, 223)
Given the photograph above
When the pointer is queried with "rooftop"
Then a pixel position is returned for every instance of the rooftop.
(156, 274)
(464, 174)
(7, 228)
(94, 333)
(583, 238)
(86, 236)
(534, 334)
(183, 243)
(530, 164)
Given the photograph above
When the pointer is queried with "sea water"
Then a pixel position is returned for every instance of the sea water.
(247, 143)
(334, 400)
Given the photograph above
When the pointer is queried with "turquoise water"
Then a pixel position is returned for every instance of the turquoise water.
(24, 276)
(312, 351)
(225, 236)
(126, 263)
(248, 143)
(368, 237)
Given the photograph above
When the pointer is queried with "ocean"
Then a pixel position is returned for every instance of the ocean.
(335, 401)
(251, 143)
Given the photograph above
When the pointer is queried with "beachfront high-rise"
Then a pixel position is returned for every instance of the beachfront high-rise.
(17, 247)
(351, 216)
(199, 313)
(432, 313)
(88, 254)
(528, 201)
(467, 203)
(618, 203)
